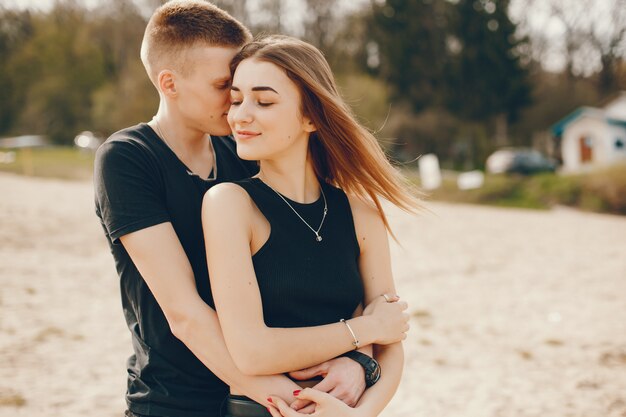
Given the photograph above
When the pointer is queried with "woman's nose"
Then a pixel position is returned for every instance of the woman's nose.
(241, 113)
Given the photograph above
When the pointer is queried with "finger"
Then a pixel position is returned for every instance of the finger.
(283, 408)
(338, 394)
(274, 412)
(391, 298)
(308, 373)
(325, 385)
(351, 400)
(299, 404)
(343, 396)
(352, 396)
(355, 393)
(313, 394)
(309, 409)
(340, 389)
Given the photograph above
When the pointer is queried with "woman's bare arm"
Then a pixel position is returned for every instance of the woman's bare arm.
(227, 216)
(375, 267)
(376, 271)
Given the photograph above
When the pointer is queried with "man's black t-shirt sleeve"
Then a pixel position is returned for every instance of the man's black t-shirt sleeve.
(128, 189)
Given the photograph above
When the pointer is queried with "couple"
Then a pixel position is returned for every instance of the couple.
(290, 252)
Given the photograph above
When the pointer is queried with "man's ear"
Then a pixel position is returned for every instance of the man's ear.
(167, 83)
(309, 126)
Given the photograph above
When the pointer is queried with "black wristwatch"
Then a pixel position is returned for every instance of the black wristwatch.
(370, 365)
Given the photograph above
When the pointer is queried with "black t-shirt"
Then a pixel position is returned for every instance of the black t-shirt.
(139, 182)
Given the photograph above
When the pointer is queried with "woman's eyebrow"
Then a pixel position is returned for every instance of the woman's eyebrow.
(259, 88)
(264, 88)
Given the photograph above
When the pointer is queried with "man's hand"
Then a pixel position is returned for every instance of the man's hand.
(343, 379)
(326, 406)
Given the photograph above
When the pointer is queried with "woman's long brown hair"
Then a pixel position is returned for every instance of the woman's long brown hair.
(343, 152)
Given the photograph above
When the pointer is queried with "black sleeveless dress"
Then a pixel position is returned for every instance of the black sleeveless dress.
(303, 281)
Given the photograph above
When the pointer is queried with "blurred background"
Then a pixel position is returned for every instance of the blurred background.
(541, 81)
(516, 103)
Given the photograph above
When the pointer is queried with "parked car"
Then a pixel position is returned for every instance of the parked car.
(524, 161)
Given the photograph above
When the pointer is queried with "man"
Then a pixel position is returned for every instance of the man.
(149, 182)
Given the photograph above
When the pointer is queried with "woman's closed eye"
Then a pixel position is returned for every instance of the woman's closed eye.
(237, 102)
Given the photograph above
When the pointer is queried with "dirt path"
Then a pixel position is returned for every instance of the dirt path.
(515, 313)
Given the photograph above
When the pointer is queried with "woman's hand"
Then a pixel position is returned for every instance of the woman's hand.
(325, 406)
(392, 321)
(344, 379)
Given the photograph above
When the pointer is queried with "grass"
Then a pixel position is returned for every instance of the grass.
(600, 191)
(603, 190)
(52, 162)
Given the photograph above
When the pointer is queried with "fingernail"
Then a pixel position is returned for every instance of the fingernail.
(270, 400)
(296, 392)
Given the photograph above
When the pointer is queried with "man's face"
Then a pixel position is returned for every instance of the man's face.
(203, 94)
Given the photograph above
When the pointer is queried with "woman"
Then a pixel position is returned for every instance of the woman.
(297, 249)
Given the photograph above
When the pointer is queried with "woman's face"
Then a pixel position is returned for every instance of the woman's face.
(265, 113)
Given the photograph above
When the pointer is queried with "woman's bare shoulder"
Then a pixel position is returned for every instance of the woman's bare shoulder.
(363, 210)
(228, 199)
(368, 223)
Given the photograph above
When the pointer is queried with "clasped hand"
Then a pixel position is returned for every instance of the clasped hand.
(344, 379)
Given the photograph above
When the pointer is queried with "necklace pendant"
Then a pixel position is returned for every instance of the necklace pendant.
(318, 238)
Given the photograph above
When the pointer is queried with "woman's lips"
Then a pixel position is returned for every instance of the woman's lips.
(246, 134)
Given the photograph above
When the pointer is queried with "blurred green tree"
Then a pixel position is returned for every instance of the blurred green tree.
(408, 49)
(56, 69)
(127, 97)
(487, 80)
(16, 27)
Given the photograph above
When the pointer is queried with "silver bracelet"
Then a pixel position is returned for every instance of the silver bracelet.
(356, 343)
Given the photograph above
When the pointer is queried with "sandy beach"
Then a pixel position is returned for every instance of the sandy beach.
(515, 313)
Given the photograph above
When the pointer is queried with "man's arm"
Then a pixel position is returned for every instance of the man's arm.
(162, 262)
(129, 201)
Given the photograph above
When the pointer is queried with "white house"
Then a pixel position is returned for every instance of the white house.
(592, 137)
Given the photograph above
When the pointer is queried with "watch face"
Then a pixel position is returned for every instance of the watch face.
(373, 373)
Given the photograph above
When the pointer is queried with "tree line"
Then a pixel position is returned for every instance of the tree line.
(457, 79)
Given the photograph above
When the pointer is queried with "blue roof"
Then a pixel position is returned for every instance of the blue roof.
(558, 128)
(616, 122)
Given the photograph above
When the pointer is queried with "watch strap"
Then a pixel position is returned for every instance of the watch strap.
(369, 364)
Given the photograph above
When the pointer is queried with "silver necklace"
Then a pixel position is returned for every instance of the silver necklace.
(317, 232)
(159, 132)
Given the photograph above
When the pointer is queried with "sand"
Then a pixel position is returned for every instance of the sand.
(514, 312)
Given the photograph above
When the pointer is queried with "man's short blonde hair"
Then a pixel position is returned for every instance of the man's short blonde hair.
(179, 25)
